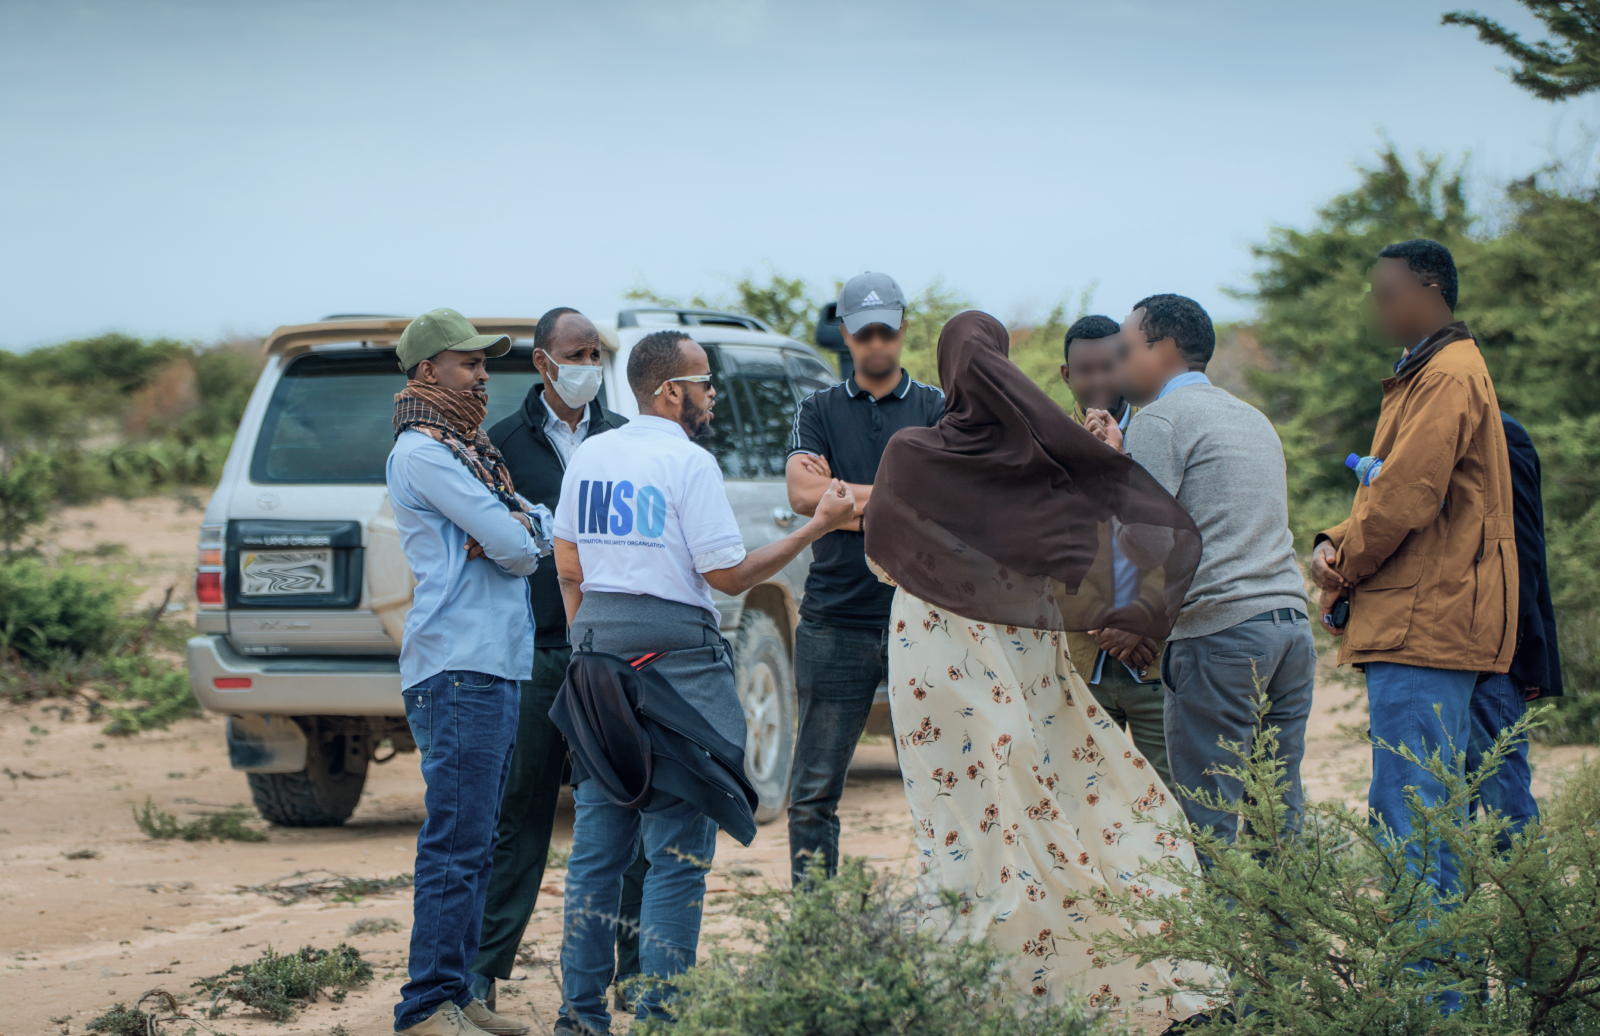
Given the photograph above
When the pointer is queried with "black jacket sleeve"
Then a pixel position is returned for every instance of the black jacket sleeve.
(1537, 663)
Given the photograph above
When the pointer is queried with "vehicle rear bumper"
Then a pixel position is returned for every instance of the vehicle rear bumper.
(293, 686)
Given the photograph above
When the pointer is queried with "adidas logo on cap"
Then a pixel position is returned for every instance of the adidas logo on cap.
(871, 299)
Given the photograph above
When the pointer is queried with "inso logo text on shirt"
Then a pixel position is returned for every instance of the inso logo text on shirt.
(615, 508)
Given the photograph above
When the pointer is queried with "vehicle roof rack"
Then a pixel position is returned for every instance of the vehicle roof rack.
(664, 317)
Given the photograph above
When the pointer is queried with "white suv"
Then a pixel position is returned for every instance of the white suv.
(295, 588)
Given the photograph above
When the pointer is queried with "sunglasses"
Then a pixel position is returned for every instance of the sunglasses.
(697, 378)
(872, 331)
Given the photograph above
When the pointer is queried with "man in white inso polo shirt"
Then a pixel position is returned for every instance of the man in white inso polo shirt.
(644, 532)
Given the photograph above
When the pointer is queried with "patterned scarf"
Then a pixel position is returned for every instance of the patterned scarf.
(455, 418)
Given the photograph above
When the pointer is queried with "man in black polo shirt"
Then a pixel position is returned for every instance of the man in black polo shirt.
(841, 647)
(559, 413)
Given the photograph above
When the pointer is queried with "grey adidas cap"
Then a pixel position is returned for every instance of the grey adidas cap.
(871, 298)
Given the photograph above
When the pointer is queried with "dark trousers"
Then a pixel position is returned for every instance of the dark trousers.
(1139, 708)
(527, 813)
(837, 670)
(1211, 690)
(1497, 705)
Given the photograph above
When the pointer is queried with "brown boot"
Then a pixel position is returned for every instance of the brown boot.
(478, 1014)
(448, 1020)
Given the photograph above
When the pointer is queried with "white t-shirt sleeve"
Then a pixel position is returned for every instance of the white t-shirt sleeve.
(717, 560)
(704, 514)
(566, 524)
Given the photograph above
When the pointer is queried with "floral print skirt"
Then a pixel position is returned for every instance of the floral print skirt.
(1025, 796)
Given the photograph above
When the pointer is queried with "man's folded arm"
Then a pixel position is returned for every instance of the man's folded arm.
(440, 481)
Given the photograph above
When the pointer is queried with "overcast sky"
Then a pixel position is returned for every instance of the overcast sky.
(195, 169)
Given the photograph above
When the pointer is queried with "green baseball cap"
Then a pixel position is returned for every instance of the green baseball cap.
(439, 330)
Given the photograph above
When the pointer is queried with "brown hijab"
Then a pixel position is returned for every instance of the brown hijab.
(1003, 511)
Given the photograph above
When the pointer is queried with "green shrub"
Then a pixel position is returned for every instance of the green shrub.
(170, 407)
(276, 984)
(844, 957)
(25, 491)
(62, 628)
(153, 464)
(139, 692)
(1322, 932)
(373, 926)
(146, 693)
(1575, 719)
(121, 1021)
(228, 826)
(46, 611)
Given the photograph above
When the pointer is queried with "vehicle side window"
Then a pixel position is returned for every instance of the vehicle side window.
(766, 402)
(808, 372)
(722, 439)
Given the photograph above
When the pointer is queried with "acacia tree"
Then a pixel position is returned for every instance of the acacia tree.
(1554, 69)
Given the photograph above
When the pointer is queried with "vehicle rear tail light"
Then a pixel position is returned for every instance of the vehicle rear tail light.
(208, 588)
(231, 683)
(211, 557)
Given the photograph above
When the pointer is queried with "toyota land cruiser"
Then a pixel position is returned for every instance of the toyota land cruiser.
(301, 590)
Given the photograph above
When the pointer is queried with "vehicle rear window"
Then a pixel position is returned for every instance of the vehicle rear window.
(331, 418)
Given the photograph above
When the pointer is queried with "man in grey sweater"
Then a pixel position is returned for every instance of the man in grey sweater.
(1243, 624)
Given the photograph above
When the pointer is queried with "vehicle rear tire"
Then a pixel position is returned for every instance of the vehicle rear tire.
(324, 794)
(765, 681)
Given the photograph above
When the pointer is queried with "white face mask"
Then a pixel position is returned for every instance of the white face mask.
(576, 383)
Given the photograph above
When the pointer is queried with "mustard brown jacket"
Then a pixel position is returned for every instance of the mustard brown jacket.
(1430, 546)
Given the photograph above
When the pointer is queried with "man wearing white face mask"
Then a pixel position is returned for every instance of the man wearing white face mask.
(559, 413)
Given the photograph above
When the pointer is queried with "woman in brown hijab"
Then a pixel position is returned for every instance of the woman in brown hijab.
(1025, 794)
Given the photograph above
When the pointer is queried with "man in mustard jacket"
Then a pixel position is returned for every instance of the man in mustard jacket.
(1428, 556)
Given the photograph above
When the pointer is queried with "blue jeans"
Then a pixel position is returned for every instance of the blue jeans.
(1401, 699)
(464, 724)
(1497, 705)
(837, 670)
(605, 842)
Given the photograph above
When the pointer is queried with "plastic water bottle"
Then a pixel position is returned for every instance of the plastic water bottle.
(1366, 468)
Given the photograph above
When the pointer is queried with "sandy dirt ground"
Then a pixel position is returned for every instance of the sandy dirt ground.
(93, 913)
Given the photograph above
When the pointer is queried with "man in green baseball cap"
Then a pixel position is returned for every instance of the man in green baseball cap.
(444, 330)
(469, 637)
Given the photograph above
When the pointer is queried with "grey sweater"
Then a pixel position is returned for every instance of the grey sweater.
(1222, 459)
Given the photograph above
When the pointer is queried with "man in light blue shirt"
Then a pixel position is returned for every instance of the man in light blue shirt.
(468, 639)
(464, 614)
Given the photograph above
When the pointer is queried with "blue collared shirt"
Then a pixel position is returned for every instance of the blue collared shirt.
(1124, 579)
(465, 615)
(1186, 378)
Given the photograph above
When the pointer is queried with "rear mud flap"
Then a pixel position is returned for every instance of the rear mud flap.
(266, 744)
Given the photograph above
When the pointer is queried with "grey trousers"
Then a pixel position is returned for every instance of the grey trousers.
(1211, 688)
